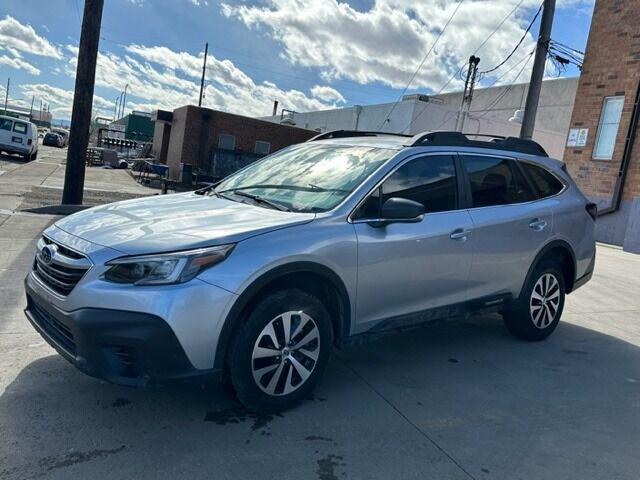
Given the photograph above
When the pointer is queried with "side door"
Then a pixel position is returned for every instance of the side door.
(510, 225)
(405, 268)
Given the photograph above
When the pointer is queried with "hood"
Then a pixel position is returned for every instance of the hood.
(182, 221)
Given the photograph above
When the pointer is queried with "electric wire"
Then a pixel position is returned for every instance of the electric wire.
(424, 59)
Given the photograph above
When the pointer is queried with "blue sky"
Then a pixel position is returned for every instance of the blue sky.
(306, 54)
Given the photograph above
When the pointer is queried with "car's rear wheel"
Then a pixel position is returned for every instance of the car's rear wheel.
(278, 355)
(539, 308)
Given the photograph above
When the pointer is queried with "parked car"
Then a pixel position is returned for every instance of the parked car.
(52, 140)
(64, 135)
(348, 234)
(18, 137)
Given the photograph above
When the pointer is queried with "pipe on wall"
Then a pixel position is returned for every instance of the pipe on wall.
(618, 190)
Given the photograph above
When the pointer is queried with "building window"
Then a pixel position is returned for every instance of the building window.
(227, 142)
(262, 148)
(608, 128)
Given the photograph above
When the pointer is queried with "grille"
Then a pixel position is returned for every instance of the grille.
(64, 270)
(59, 332)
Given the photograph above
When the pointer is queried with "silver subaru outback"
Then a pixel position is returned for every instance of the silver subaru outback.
(256, 279)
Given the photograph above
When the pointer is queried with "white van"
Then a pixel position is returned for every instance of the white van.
(18, 136)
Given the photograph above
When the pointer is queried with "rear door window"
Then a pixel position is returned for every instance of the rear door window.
(6, 124)
(545, 182)
(495, 181)
(20, 127)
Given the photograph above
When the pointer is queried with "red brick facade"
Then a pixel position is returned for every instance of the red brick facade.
(195, 132)
(611, 67)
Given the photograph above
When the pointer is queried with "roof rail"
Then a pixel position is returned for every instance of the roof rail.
(352, 133)
(496, 142)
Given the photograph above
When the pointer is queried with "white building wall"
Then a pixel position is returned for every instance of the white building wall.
(490, 113)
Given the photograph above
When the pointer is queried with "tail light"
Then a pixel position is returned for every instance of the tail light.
(592, 210)
(29, 141)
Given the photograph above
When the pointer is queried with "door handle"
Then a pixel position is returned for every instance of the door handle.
(460, 234)
(537, 224)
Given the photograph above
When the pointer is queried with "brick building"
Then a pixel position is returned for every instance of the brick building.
(217, 142)
(600, 153)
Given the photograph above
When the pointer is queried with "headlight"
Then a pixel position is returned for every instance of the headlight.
(166, 268)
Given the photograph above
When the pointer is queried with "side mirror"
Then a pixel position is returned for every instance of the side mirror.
(400, 210)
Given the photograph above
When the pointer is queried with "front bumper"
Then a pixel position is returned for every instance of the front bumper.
(123, 347)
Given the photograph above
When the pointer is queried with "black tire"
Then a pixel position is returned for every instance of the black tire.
(529, 321)
(267, 310)
(33, 156)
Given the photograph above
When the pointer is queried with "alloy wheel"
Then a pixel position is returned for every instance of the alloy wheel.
(285, 353)
(545, 300)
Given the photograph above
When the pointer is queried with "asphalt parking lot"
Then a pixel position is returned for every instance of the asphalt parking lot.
(454, 400)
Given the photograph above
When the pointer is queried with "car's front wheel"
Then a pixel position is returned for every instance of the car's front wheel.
(539, 308)
(279, 353)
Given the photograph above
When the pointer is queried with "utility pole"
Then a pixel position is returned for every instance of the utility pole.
(6, 96)
(467, 96)
(40, 117)
(535, 85)
(33, 99)
(82, 102)
(204, 69)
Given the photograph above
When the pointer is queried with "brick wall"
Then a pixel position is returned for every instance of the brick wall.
(195, 132)
(611, 67)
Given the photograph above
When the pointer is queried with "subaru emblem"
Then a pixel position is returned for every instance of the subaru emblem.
(47, 253)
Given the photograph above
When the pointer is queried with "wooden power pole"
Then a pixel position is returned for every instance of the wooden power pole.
(204, 71)
(535, 85)
(82, 102)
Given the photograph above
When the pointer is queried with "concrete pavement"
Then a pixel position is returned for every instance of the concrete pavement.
(456, 400)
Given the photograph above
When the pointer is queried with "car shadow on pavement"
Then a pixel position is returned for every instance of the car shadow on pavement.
(567, 407)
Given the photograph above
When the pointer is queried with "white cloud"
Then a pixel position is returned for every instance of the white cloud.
(61, 100)
(159, 77)
(327, 94)
(19, 64)
(387, 42)
(24, 38)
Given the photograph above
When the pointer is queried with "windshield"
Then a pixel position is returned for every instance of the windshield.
(308, 177)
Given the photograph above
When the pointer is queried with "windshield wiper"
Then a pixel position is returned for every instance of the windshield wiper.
(258, 199)
(310, 188)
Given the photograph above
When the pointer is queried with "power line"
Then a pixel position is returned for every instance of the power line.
(526, 32)
(509, 88)
(462, 67)
(424, 59)
(502, 94)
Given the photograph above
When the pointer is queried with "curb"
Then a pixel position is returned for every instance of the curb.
(57, 209)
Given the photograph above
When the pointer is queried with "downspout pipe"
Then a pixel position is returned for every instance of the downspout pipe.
(616, 200)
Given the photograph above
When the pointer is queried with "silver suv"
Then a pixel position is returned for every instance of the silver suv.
(255, 279)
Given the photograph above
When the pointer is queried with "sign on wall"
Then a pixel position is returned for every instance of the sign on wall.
(116, 131)
(577, 137)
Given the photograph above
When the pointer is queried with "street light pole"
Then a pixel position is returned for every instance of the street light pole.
(82, 102)
(6, 96)
(535, 85)
(116, 108)
(124, 101)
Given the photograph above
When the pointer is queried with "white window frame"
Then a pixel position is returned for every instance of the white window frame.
(226, 135)
(606, 102)
(255, 147)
